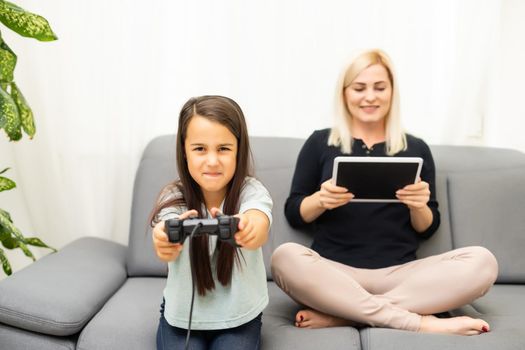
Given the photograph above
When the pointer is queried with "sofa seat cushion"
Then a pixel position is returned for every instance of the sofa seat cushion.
(502, 307)
(502, 300)
(506, 334)
(279, 332)
(129, 319)
(12, 338)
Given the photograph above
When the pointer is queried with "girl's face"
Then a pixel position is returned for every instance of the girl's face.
(369, 96)
(211, 153)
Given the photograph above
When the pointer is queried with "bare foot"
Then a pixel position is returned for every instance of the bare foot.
(462, 325)
(310, 318)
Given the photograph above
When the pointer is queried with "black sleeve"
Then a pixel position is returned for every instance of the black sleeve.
(305, 180)
(428, 174)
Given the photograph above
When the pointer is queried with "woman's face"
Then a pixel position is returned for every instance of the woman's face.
(368, 97)
(211, 153)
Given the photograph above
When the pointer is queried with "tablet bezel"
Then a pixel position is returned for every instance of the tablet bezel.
(351, 159)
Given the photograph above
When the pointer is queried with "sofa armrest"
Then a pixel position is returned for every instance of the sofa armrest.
(60, 293)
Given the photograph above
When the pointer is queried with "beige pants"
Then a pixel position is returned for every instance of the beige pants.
(393, 297)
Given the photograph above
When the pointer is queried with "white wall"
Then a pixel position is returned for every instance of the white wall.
(505, 127)
(121, 70)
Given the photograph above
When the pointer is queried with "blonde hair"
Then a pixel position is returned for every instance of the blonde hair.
(341, 133)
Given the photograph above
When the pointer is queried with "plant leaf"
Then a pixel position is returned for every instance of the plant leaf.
(25, 23)
(37, 242)
(10, 243)
(7, 62)
(9, 117)
(6, 184)
(3, 171)
(25, 112)
(5, 263)
(26, 250)
(4, 234)
(7, 224)
(6, 214)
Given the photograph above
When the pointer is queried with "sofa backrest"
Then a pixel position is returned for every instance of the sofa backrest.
(156, 169)
(486, 199)
(481, 195)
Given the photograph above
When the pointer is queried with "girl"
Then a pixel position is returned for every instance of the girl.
(362, 267)
(214, 164)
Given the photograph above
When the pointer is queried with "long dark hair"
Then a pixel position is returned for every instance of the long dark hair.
(226, 112)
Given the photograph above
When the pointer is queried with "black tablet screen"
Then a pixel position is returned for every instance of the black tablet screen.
(375, 180)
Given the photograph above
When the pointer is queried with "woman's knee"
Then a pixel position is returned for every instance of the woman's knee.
(485, 265)
(288, 258)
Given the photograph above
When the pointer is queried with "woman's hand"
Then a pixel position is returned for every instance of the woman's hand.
(415, 196)
(167, 251)
(328, 197)
(332, 196)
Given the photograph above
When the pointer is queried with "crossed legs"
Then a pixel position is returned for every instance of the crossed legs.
(402, 296)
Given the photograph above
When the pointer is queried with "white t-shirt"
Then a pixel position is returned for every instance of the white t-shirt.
(225, 306)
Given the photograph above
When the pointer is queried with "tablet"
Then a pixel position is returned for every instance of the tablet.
(376, 179)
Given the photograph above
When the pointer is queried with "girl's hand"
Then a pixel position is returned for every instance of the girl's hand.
(415, 196)
(252, 229)
(165, 250)
(247, 234)
(332, 196)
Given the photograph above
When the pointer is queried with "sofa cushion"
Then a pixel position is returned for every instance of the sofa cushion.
(506, 333)
(275, 160)
(62, 291)
(487, 209)
(156, 169)
(441, 240)
(18, 339)
(457, 159)
(502, 300)
(279, 332)
(129, 319)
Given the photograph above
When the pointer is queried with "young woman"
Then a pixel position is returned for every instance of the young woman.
(214, 164)
(362, 266)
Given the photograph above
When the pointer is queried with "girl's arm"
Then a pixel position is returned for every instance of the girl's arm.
(253, 229)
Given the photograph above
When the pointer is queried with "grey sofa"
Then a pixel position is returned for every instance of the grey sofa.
(96, 294)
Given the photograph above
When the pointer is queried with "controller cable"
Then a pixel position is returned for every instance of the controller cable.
(193, 278)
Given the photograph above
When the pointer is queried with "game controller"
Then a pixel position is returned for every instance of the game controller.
(223, 226)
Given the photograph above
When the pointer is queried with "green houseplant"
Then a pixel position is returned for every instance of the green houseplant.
(16, 116)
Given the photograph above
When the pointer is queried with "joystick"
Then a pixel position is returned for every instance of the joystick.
(223, 226)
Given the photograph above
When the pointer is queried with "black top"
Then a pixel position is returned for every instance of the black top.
(365, 235)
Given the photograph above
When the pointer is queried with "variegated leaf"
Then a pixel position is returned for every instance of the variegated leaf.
(6, 184)
(9, 111)
(7, 224)
(6, 266)
(24, 111)
(37, 242)
(10, 243)
(6, 214)
(26, 250)
(7, 62)
(25, 23)
(4, 234)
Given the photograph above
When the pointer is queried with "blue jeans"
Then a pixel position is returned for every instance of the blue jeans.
(244, 337)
